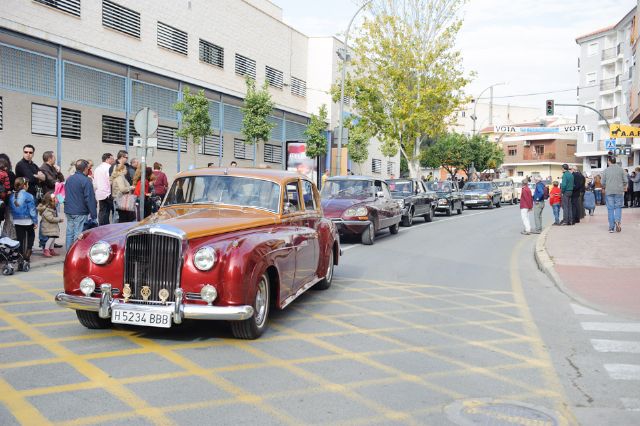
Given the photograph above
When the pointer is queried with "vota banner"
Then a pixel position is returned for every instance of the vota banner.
(297, 160)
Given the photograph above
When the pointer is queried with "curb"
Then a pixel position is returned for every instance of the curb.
(46, 263)
(546, 265)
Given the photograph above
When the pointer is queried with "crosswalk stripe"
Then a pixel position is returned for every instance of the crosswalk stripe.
(581, 310)
(606, 345)
(623, 371)
(631, 404)
(627, 327)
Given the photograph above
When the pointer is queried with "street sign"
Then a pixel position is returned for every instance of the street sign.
(567, 128)
(623, 131)
(151, 142)
(609, 144)
(146, 122)
(623, 150)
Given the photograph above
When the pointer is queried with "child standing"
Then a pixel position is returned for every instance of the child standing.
(50, 223)
(555, 199)
(25, 218)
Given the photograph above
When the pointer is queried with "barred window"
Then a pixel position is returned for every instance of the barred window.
(172, 38)
(391, 167)
(71, 123)
(241, 150)
(168, 140)
(113, 130)
(69, 6)
(211, 54)
(272, 153)
(274, 77)
(1, 115)
(120, 18)
(212, 146)
(43, 120)
(245, 66)
(298, 87)
(376, 165)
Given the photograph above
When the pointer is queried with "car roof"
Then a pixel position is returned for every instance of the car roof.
(268, 174)
(353, 177)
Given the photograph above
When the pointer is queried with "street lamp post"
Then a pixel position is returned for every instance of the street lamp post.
(474, 117)
(345, 59)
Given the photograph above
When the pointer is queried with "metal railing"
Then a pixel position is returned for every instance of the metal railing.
(609, 53)
(608, 83)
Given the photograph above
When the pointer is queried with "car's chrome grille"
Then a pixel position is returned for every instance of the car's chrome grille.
(155, 261)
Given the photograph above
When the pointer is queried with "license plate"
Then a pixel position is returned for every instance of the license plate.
(471, 201)
(155, 319)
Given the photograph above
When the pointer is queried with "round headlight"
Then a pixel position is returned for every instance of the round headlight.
(205, 258)
(358, 211)
(401, 203)
(100, 252)
(208, 293)
(87, 286)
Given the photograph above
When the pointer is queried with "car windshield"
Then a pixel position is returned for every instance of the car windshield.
(474, 186)
(400, 186)
(347, 188)
(439, 186)
(227, 190)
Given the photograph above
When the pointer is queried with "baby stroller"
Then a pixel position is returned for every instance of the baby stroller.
(11, 256)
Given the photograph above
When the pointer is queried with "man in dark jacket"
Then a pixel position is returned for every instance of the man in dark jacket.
(578, 191)
(122, 158)
(27, 169)
(567, 192)
(79, 201)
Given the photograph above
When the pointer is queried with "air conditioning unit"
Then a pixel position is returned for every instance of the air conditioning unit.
(526, 143)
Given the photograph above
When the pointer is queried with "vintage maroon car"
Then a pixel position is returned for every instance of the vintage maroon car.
(227, 244)
(360, 205)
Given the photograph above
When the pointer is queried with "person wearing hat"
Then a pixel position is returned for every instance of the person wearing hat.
(566, 186)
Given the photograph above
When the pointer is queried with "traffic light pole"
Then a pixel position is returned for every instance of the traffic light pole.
(592, 109)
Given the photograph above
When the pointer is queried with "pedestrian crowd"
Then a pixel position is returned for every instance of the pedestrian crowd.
(39, 198)
(579, 193)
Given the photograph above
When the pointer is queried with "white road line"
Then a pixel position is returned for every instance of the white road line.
(606, 345)
(631, 404)
(581, 310)
(623, 371)
(626, 327)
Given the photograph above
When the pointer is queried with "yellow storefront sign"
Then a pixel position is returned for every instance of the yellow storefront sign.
(624, 131)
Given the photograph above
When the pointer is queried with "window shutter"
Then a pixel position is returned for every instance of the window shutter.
(71, 7)
(172, 38)
(272, 153)
(241, 150)
(120, 18)
(298, 87)
(245, 66)
(211, 54)
(274, 77)
(376, 165)
(71, 123)
(43, 120)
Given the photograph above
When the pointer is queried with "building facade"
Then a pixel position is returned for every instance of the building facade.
(74, 73)
(606, 70)
(487, 115)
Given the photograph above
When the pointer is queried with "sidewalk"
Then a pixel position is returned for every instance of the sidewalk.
(598, 269)
(39, 261)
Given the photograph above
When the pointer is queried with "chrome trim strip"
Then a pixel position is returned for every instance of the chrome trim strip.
(350, 222)
(158, 228)
(233, 313)
(301, 290)
(81, 303)
(105, 301)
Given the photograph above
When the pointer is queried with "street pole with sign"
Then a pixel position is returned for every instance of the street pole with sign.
(146, 124)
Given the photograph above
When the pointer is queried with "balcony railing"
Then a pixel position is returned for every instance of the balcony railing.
(609, 53)
(608, 83)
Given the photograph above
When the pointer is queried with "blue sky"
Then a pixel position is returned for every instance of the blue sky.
(528, 44)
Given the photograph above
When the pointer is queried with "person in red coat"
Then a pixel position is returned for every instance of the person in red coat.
(526, 204)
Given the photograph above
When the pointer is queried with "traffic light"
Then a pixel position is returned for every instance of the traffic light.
(550, 107)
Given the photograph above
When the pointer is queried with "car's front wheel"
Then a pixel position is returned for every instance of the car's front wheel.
(394, 228)
(499, 204)
(459, 210)
(369, 235)
(253, 327)
(429, 216)
(408, 219)
(91, 320)
(449, 210)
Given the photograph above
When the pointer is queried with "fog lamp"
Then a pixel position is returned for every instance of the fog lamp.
(87, 286)
(208, 293)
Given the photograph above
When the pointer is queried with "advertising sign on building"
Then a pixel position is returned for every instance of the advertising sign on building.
(297, 160)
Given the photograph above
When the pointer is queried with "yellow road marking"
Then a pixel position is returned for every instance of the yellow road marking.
(21, 409)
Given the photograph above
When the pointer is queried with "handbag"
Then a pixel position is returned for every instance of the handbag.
(127, 203)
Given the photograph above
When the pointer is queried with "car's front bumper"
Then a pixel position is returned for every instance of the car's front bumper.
(179, 310)
(482, 203)
(351, 226)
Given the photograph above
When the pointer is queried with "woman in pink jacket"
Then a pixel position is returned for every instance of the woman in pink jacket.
(526, 204)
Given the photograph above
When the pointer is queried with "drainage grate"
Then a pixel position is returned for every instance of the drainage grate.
(507, 413)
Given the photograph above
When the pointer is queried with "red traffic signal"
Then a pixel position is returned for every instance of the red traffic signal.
(550, 107)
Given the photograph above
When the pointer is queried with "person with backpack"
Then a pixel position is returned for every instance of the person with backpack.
(540, 194)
